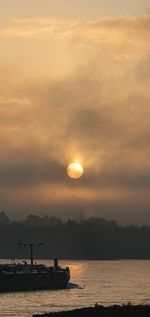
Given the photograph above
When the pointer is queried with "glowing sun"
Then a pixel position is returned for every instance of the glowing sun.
(75, 170)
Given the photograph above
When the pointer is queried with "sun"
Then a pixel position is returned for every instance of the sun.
(75, 170)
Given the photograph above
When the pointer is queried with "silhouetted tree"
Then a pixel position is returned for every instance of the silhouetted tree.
(4, 220)
(93, 238)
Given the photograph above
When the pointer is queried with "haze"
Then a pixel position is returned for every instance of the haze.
(75, 86)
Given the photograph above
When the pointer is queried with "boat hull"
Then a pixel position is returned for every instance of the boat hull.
(15, 282)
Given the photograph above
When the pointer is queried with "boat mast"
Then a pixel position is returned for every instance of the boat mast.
(31, 245)
(31, 252)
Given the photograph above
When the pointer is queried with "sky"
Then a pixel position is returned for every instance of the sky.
(75, 87)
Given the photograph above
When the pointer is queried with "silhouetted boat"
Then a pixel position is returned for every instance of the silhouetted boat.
(26, 277)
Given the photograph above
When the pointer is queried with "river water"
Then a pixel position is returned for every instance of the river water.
(103, 282)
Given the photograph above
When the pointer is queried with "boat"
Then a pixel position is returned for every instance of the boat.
(16, 277)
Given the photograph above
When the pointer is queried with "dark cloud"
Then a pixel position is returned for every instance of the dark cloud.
(98, 114)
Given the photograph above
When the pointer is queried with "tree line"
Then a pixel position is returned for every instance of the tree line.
(93, 238)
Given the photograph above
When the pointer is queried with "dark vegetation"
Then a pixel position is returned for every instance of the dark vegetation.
(94, 238)
(101, 311)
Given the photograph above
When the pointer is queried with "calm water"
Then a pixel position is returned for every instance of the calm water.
(104, 282)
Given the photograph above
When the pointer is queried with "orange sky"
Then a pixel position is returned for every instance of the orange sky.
(75, 86)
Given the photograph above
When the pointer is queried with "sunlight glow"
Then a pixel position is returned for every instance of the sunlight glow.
(75, 170)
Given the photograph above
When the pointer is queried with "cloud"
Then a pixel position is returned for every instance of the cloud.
(126, 36)
(98, 114)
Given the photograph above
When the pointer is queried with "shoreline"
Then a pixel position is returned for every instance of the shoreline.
(102, 311)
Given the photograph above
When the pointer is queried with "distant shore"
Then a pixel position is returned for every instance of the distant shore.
(101, 311)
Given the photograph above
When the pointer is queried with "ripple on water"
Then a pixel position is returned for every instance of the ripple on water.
(104, 282)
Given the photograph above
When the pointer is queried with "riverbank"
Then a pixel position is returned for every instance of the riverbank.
(101, 311)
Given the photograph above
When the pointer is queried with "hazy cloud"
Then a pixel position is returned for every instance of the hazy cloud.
(96, 110)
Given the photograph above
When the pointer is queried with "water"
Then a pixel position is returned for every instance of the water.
(104, 282)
